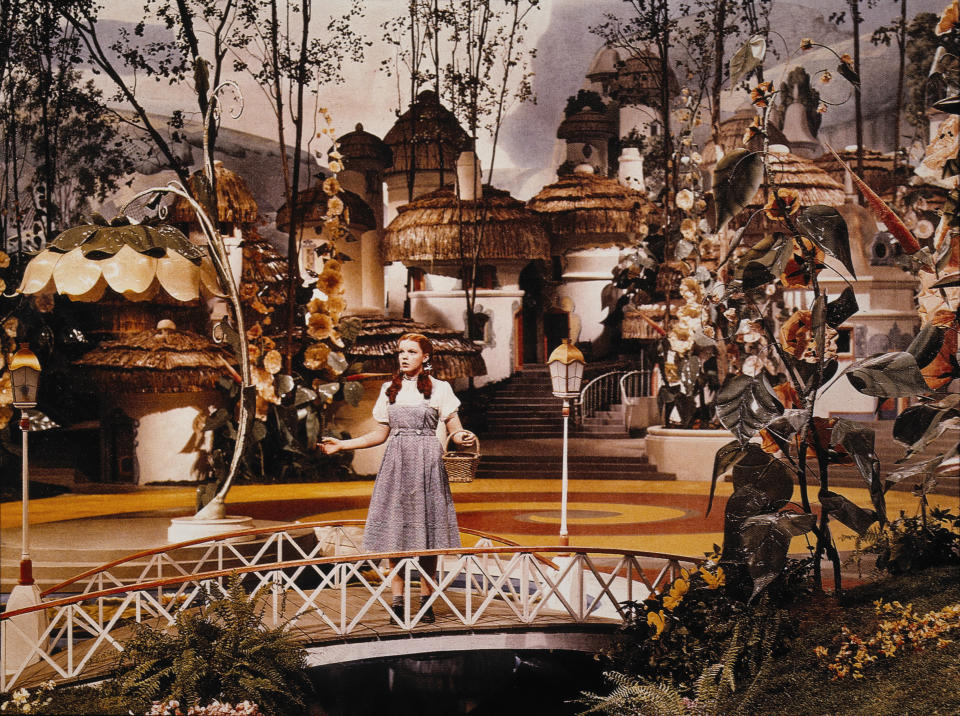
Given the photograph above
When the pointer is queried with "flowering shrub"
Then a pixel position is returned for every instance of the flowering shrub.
(905, 630)
(214, 708)
(23, 702)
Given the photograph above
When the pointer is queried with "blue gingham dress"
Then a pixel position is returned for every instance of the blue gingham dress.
(411, 507)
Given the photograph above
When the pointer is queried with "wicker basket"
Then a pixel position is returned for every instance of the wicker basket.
(461, 466)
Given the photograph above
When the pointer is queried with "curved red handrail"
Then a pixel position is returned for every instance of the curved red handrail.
(377, 556)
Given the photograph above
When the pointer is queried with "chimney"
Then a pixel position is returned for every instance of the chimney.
(630, 173)
(469, 176)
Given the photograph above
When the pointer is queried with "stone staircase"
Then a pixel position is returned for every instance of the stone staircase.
(579, 467)
(524, 407)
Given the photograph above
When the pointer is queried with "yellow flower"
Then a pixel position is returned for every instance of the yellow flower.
(330, 282)
(671, 601)
(825, 77)
(806, 43)
(10, 326)
(334, 206)
(948, 20)
(331, 186)
(685, 199)
(254, 332)
(315, 357)
(319, 326)
(821, 108)
(714, 581)
(658, 621)
(273, 362)
(336, 166)
(821, 652)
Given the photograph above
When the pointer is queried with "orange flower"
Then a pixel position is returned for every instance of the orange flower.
(782, 203)
(806, 44)
(826, 76)
(948, 20)
(761, 93)
(795, 334)
(319, 326)
(754, 130)
(821, 108)
(940, 371)
(847, 60)
(795, 273)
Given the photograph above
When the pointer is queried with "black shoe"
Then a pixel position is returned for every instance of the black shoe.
(428, 616)
(397, 608)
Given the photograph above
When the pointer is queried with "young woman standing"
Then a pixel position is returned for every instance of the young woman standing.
(411, 507)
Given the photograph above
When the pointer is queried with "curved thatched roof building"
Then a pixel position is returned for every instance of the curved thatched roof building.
(877, 169)
(376, 347)
(814, 185)
(162, 360)
(582, 209)
(363, 151)
(427, 230)
(312, 206)
(433, 133)
(235, 202)
(732, 130)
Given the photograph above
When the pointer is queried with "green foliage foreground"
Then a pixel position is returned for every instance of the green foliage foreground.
(765, 660)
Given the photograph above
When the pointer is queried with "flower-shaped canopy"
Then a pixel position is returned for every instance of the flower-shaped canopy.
(135, 260)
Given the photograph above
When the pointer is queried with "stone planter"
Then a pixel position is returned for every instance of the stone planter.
(688, 454)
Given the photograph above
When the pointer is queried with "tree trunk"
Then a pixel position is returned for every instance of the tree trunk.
(901, 71)
(858, 104)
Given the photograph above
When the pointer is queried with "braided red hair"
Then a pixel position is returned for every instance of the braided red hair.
(424, 384)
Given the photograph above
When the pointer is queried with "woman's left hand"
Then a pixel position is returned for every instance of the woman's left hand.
(465, 438)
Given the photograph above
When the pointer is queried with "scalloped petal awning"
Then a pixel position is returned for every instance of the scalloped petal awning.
(135, 260)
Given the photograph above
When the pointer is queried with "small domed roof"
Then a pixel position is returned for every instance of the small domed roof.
(363, 151)
(586, 124)
(638, 79)
(235, 202)
(604, 65)
(432, 119)
(312, 203)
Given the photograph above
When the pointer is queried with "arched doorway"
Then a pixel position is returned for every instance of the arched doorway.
(529, 333)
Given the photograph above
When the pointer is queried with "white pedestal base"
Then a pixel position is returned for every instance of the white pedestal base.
(22, 634)
(688, 454)
(182, 529)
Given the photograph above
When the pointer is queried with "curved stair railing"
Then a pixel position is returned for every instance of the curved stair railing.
(599, 394)
(328, 598)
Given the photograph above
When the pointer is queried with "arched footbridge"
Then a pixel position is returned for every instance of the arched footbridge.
(493, 594)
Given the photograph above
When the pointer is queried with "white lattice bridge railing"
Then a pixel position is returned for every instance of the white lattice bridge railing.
(329, 598)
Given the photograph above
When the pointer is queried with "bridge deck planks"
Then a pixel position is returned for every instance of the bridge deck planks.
(313, 630)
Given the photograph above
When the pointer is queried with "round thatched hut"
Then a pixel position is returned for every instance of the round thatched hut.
(426, 237)
(877, 171)
(425, 142)
(428, 231)
(363, 273)
(156, 384)
(590, 219)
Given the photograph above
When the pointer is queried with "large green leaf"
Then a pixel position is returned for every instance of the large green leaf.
(927, 343)
(842, 308)
(850, 514)
(726, 458)
(764, 261)
(736, 179)
(888, 375)
(826, 227)
(765, 539)
(765, 473)
(858, 441)
(747, 58)
(744, 405)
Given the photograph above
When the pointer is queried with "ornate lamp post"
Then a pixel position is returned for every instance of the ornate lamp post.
(25, 377)
(566, 373)
(20, 637)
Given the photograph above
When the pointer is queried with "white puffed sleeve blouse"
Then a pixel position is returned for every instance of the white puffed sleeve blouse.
(442, 398)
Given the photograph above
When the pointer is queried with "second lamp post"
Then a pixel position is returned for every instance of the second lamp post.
(566, 373)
